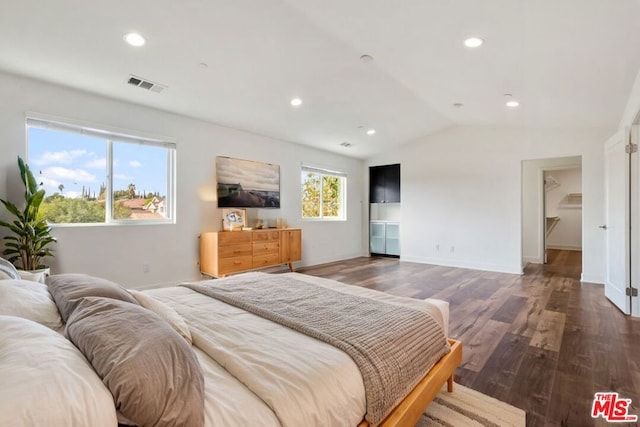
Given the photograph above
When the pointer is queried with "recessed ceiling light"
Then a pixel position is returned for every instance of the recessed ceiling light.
(458, 105)
(296, 102)
(203, 65)
(510, 102)
(371, 131)
(134, 39)
(473, 42)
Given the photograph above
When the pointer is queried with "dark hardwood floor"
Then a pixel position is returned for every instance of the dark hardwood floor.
(541, 341)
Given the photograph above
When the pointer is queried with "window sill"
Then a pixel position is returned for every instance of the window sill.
(115, 223)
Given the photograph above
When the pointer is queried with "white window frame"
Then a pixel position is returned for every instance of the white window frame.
(113, 135)
(343, 193)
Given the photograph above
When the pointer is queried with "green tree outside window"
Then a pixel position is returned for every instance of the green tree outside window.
(322, 195)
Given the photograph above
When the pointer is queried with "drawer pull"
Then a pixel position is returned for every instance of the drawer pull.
(237, 262)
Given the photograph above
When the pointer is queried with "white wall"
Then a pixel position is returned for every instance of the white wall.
(532, 203)
(567, 234)
(462, 188)
(171, 251)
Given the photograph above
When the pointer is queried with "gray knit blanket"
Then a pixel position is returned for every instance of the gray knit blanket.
(393, 346)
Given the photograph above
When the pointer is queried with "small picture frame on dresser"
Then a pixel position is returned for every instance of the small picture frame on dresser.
(234, 219)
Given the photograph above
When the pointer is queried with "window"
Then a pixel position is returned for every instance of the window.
(323, 194)
(97, 176)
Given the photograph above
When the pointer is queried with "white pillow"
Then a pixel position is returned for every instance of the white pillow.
(47, 381)
(30, 300)
(7, 270)
(4, 275)
(167, 313)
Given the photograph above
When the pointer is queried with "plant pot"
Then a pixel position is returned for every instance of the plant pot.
(35, 275)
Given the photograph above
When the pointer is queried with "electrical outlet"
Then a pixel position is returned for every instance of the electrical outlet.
(145, 267)
(452, 248)
(437, 248)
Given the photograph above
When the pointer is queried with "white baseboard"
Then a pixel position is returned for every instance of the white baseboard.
(565, 247)
(598, 280)
(498, 268)
(531, 260)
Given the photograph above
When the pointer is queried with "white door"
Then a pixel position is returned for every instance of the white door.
(544, 218)
(616, 228)
(635, 223)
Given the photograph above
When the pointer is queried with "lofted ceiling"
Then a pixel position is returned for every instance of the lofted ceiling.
(570, 63)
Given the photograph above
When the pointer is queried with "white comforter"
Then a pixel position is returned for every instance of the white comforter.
(46, 381)
(260, 373)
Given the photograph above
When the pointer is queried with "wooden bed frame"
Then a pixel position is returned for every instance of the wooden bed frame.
(413, 406)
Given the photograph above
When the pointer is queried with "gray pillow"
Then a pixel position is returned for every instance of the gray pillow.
(69, 289)
(153, 374)
(7, 270)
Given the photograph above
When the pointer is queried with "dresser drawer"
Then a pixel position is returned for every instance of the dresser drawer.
(233, 238)
(235, 251)
(266, 248)
(266, 236)
(230, 265)
(266, 260)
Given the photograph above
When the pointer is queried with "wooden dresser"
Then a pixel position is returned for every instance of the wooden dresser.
(226, 252)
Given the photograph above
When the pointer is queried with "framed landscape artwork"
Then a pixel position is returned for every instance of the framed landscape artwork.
(247, 184)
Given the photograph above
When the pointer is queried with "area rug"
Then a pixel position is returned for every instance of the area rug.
(466, 407)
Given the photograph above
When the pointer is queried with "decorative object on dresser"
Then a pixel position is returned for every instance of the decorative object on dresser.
(234, 219)
(247, 184)
(224, 252)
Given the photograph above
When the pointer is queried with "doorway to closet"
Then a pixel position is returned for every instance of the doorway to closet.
(552, 213)
(562, 214)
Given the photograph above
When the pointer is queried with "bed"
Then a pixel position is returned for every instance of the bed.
(250, 367)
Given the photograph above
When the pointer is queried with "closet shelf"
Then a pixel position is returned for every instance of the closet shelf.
(572, 201)
(551, 223)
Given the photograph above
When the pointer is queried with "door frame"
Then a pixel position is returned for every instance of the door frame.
(614, 293)
(632, 224)
(542, 202)
(634, 206)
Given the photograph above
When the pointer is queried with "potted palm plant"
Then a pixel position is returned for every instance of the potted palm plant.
(29, 237)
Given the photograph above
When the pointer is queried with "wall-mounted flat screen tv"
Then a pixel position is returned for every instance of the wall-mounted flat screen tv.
(247, 184)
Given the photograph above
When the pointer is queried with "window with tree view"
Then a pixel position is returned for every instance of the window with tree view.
(96, 176)
(323, 194)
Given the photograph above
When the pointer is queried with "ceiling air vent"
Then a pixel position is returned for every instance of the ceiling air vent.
(145, 84)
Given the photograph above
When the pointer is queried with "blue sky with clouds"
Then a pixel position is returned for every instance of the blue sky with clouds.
(75, 160)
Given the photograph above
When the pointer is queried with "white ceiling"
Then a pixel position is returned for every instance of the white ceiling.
(571, 63)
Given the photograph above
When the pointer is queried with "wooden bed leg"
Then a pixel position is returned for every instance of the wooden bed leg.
(290, 267)
(450, 384)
